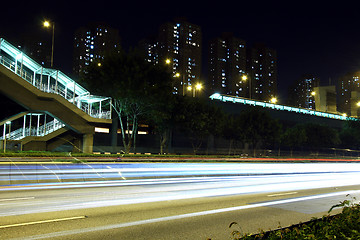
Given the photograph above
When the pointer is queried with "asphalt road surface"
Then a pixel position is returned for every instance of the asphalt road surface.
(171, 201)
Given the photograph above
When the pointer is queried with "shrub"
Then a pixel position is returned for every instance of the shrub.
(341, 226)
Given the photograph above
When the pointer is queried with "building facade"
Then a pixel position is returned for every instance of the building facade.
(349, 93)
(325, 99)
(262, 72)
(302, 92)
(179, 46)
(91, 43)
(227, 66)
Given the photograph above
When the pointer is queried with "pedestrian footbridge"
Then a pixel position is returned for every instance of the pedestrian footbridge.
(59, 109)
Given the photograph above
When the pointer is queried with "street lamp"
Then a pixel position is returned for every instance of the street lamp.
(48, 24)
(177, 75)
(197, 87)
(273, 100)
(245, 78)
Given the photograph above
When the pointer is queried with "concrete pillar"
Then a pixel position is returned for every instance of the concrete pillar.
(114, 135)
(87, 143)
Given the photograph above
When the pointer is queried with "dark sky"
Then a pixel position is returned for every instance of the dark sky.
(323, 40)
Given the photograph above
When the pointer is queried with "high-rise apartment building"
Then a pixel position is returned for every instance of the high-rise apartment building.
(91, 43)
(349, 93)
(302, 92)
(38, 47)
(179, 45)
(262, 71)
(227, 66)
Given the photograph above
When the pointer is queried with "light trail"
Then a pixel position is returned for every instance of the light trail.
(281, 194)
(186, 215)
(129, 184)
(170, 181)
(16, 199)
(125, 192)
(103, 172)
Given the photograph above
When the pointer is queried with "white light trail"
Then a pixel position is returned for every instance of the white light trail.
(103, 172)
(187, 215)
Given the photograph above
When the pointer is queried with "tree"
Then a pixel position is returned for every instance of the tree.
(349, 134)
(163, 119)
(320, 136)
(259, 128)
(233, 130)
(136, 87)
(198, 118)
(294, 137)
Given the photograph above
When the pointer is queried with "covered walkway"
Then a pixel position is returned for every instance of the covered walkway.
(49, 95)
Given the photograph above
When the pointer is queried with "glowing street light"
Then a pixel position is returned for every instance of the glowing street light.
(48, 24)
(244, 77)
(197, 87)
(167, 61)
(273, 100)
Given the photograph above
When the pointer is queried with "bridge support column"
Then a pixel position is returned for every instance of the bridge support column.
(87, 143)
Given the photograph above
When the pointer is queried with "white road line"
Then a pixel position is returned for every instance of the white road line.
(282, 194)
(43, 221)
(16, 199)
(182, 216)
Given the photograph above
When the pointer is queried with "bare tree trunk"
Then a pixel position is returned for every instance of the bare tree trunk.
(128, 136)
(123, 133)
(134, 132)
(163, 140)
(230, 147)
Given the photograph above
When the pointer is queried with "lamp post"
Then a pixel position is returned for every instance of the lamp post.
(47, 24)
(245, 78)
(197, 87)
(178, 75)
(273, 100)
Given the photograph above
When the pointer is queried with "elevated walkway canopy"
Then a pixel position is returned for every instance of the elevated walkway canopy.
(251, 102)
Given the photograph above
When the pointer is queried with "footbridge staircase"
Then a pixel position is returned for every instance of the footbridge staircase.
(59, 109)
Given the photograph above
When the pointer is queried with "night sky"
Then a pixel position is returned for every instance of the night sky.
(323, 40)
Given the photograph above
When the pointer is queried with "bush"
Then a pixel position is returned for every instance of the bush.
(341, 226)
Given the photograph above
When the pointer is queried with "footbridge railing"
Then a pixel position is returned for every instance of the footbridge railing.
(53, 81)
(31, 124)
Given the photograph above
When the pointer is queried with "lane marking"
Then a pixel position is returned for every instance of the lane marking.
(40, 222)
(117, 172)
(16, 199)
(182, 216)
(281, 194)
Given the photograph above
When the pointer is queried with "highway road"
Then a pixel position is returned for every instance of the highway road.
(169, 200)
